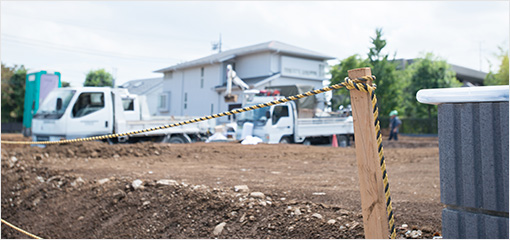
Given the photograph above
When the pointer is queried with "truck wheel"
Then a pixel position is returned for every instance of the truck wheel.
(307, 142)
(285, 140)
(178, 139)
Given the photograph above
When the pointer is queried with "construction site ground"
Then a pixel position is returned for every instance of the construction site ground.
(158, 190)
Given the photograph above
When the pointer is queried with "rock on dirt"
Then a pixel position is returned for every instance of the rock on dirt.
(103, 181)
(167, 182)
(297, 212)
(258, 195)
(319, 193)
(77, 182)
(137, 184)
(219, 228)
(413, 234)
(12, 161)
(40, 179)
(241, 188)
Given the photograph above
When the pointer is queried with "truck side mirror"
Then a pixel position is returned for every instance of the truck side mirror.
(59, 104)
(268, 114)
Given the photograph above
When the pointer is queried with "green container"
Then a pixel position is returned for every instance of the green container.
(37, 86)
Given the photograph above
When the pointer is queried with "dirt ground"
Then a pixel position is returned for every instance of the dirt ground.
(88, 190)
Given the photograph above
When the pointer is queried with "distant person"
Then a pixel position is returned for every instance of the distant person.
(394, 124)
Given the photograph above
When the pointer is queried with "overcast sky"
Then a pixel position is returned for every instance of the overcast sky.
(131, 39)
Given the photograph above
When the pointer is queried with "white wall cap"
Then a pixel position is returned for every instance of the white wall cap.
(463, 95)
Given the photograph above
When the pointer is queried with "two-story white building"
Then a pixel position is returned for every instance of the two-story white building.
(197, 87)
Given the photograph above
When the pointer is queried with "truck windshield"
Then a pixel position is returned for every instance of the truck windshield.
(257, 117)
(55, 104)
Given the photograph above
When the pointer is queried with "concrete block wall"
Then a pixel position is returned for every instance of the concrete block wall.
(473, 151)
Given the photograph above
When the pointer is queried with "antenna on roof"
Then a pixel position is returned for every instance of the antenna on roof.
(217, 45)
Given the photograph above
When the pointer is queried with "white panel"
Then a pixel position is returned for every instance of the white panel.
(302, 68)
(463, 94)
(254, 65)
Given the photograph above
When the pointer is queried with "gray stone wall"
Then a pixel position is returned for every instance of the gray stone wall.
(473, 152)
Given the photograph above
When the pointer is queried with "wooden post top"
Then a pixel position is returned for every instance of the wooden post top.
(360, 72)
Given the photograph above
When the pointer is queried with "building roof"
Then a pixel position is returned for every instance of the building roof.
(463, 74)
(469, 75)
(272, 46)
(142, 86)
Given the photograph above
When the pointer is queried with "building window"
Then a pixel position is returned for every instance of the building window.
(202, 78)
(185, 100)
(163, 102)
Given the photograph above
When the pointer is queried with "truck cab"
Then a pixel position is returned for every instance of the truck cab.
(281, 123)
(69, 113)
(272, 124)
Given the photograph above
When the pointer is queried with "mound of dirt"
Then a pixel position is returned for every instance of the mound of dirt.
(218, 190)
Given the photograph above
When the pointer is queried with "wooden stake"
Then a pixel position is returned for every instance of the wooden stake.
(373, 202)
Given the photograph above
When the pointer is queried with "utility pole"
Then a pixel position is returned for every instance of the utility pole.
(220, 44)
(217, 45)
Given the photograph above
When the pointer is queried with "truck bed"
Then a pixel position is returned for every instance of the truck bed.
(199, 127)
(310, 127)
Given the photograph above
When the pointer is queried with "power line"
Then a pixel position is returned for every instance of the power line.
(109, 30)
(39, 43)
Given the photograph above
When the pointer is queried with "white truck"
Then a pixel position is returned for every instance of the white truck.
(281, 123)
(69, 113)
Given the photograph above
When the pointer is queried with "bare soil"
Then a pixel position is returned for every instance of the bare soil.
(86, 190)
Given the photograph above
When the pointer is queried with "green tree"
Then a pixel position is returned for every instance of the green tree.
(339, 73)
(13, 93)
(501, 77)
(388, 81)
(425, 73)
(98, 78)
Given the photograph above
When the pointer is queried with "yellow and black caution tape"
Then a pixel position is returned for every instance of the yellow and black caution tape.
(349, 84)
(20, 230)
(375, 109)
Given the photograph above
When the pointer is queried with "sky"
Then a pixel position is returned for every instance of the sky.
(132, 39)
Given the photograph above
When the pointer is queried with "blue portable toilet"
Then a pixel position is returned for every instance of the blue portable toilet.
(38, 85)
